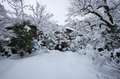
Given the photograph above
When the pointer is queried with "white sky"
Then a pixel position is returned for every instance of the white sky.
(57, 7)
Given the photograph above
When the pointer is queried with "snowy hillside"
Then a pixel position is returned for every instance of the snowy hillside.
(53, 65)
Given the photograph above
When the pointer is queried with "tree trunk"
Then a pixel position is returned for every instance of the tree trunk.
(22, 53)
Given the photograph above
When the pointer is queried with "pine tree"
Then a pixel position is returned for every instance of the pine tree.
(23, 39)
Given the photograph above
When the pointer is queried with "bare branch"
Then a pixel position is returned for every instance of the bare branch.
(107, 11)
(114, 7)
(101, 6)
(101, 25)
(11, 5)
(101, 18)
(87, 8)
(88, 22)
(93, 26)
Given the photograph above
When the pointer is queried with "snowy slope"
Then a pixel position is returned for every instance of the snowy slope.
(53, 65)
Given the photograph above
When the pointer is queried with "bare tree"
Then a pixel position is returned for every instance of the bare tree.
(40, 17)
(18, 7)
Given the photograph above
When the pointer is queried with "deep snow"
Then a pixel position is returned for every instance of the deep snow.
(53, 65)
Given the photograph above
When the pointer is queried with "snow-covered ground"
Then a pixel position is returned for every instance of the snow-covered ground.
(53, 65)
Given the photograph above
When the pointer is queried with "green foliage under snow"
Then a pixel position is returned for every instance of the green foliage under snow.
(23, 39)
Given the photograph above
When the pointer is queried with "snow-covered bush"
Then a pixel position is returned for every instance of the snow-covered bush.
(51, 44)
(112, 44)
(5, 50)
(78, 44)
(108, 58)
(112, 37)
(1, 46)
(115, 55)
(23, 39)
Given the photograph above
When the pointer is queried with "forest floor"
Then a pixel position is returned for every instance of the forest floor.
(53, 65)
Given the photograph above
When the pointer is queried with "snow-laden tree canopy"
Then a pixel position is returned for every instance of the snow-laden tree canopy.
(106, 11)
(18, 7)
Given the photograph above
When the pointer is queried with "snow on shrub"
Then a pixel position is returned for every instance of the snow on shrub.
(23, 39)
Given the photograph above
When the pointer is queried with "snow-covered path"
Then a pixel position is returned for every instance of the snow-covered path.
(53, 65)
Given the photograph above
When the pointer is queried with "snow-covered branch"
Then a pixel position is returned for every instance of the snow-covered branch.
(100, 8)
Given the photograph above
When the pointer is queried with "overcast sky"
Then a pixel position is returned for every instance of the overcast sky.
(57, 7)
